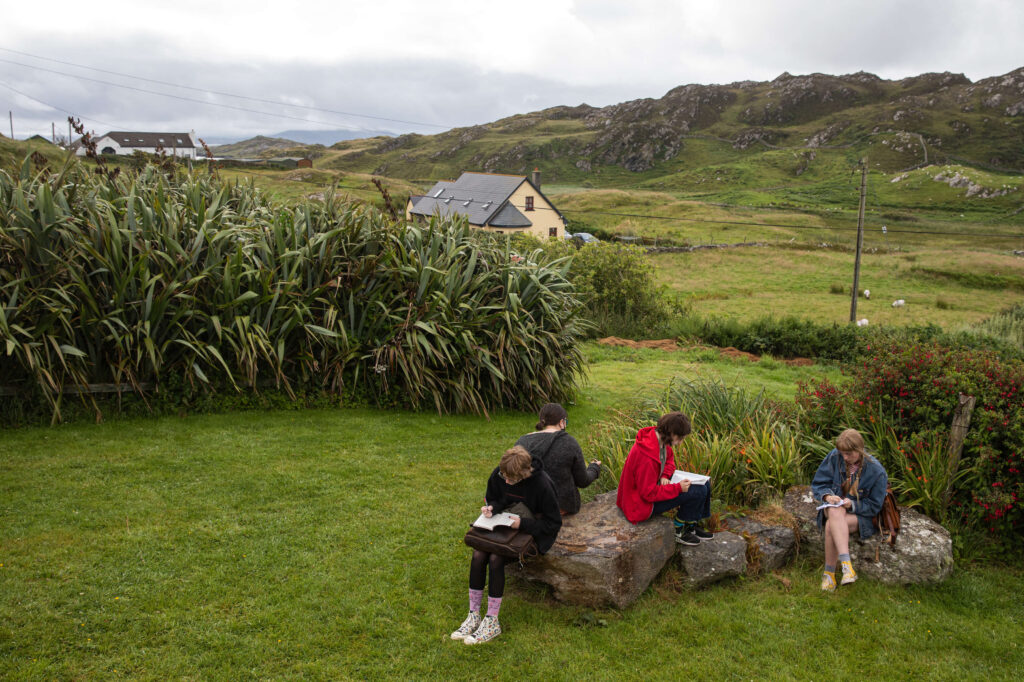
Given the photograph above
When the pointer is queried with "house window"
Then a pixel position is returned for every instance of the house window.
(552, 231)
(529, 203)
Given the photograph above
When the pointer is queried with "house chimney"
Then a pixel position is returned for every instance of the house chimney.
(536, 178)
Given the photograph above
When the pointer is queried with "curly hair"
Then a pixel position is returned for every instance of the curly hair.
(673, 424)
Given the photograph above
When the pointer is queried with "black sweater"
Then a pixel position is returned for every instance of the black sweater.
(564, 464)
(538, 494)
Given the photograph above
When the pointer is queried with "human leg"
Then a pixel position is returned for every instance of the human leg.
(489, 627)
(477, 576)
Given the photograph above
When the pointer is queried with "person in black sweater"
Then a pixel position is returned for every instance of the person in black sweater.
(562, 457)
(519, 478)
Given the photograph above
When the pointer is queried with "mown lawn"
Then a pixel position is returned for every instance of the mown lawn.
(326, 544)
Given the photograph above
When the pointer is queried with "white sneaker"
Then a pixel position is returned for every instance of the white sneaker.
(488, 630)
(468, 626)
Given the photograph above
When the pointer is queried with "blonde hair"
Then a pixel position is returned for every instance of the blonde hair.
(516, 463)
(850, 440)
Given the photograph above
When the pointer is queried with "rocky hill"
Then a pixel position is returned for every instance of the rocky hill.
(931, 118)
(262, 147)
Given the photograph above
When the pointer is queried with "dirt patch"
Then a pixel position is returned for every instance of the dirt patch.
(658, 344)
(730, 352)
(799, 362)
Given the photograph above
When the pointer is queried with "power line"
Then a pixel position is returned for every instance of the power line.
(216, 104)
(62, 109)
(216, 92)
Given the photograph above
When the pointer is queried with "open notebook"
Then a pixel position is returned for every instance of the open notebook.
(695, 479)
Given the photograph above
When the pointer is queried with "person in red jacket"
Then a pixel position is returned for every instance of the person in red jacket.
(644, 487)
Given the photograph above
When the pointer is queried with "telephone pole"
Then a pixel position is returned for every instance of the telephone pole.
(860, 237)
(11, 114)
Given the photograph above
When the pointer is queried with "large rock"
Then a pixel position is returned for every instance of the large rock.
(600, 558)
(774, 542)
(923, 552)
(724, 556)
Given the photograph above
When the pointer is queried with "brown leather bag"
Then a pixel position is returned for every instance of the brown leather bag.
(887, 521)
(503, 541)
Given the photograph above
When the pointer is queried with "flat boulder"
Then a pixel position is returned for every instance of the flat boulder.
(775, 543)
(923, 552)
(723, 556)
(602, 559)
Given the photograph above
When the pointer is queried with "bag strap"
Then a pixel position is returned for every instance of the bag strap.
(662, 457)
(551, 442)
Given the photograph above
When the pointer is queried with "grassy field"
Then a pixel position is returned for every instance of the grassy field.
(946, 287)
(326, 544)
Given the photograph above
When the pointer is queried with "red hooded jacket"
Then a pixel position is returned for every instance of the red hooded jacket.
(638, 485)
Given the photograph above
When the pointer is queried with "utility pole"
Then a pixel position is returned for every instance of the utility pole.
(53, 132)
(11, 114)
(860, 237)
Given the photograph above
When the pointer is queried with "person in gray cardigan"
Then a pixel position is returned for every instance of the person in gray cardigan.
(562, 457)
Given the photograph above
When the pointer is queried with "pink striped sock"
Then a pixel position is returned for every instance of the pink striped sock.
(493, 606)
(475, 597)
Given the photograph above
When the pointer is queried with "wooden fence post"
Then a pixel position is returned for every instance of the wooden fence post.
(957, 434)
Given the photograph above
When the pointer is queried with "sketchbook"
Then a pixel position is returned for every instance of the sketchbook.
(502, 519)
(827, 505)
(695, 479)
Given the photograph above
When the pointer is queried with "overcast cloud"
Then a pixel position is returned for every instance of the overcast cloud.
(432, 66)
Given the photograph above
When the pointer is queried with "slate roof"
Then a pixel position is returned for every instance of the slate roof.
(165, 140)
(481, 197)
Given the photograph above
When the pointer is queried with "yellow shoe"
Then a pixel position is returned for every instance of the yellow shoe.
(828, 581)
(849, 575)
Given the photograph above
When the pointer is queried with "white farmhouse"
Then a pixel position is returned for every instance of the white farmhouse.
(125, 143)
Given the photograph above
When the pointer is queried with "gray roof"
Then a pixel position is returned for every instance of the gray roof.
(510, 217)
(165, 140)
(480, 197)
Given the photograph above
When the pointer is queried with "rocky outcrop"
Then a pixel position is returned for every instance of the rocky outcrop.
(602, 559)
(923, 552)
(775, 543)
(724, 556)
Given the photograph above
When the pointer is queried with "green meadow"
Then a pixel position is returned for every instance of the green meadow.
(326, 544)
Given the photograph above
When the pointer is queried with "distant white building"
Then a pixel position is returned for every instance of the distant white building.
(125, 143)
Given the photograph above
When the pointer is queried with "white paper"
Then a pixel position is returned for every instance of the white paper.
(502, 519)
(695, 479)
(827, 505)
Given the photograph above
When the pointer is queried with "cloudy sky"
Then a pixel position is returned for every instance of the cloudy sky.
(233, 69)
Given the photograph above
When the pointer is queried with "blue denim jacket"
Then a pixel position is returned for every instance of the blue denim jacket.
(867, 498)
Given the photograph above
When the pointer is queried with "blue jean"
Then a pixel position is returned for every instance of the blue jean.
(691, 506)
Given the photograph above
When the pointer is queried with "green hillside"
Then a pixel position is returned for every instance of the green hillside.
(792, 130)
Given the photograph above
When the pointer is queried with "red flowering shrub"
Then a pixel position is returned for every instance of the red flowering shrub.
(913, 389)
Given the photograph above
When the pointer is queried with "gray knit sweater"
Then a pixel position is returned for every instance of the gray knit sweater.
(564, 464)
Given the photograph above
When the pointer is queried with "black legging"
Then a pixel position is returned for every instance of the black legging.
(478, 569)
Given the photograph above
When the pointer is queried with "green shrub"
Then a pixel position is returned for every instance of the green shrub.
(616, 282)
(913, 390)
(185, 283)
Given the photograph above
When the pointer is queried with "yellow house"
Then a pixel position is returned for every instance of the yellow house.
(506, 204)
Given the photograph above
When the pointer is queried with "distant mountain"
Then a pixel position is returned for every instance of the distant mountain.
(329, 137)
(795, 123)
(262, 147)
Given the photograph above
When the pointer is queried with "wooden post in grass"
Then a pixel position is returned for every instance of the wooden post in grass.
(860, 237)
(957, 434)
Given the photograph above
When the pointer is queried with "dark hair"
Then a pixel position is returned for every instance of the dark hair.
(673, 424)
(551, 414)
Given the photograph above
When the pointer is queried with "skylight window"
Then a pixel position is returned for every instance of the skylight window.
(448, 200)
(468, 201)
(439, 193)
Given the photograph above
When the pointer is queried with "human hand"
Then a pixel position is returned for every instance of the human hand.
(515, 521)
(487, 511)
(596, 461)
(848, 503)
(664, 481)
(831, 499)
(684, 485)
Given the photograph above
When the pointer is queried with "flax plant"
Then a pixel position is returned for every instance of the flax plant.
(156, 280)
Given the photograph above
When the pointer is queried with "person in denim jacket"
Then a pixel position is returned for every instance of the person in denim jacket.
(856, 482)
